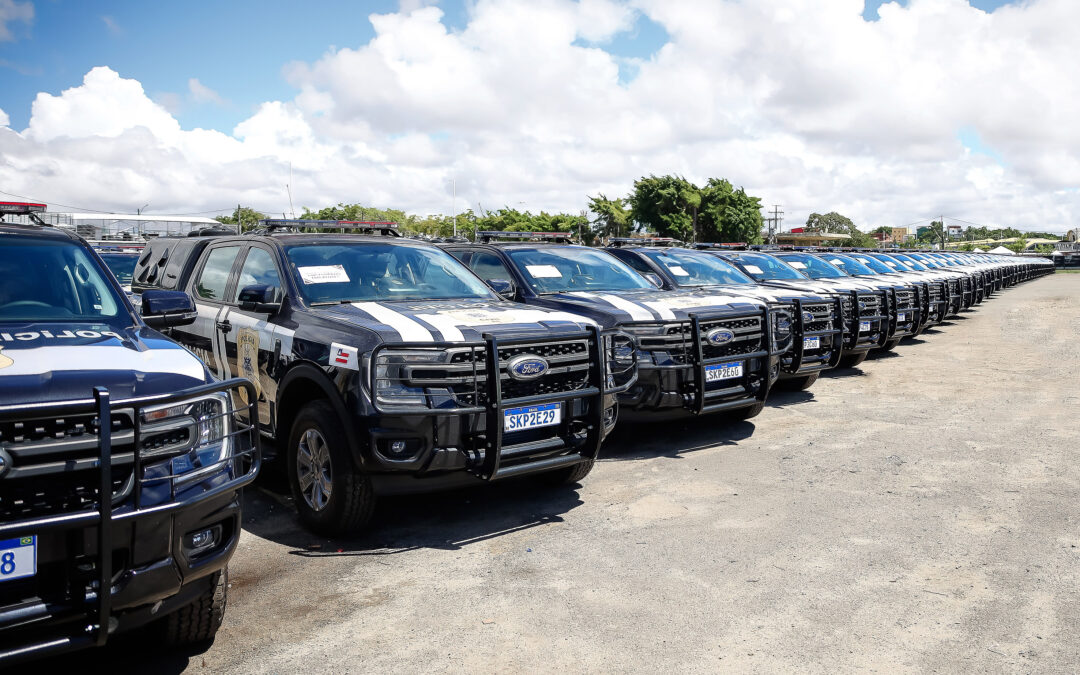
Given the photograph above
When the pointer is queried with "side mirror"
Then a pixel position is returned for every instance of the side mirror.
(261, 298)
(653, 279)
(503, 287)
(166, 309)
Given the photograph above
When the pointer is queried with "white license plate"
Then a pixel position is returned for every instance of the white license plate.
(811, 343)
(532, 417)
(18, 558)
(864, 326)
(901, 316)
(723, 371)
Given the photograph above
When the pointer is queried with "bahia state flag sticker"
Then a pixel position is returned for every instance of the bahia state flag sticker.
(343, 356)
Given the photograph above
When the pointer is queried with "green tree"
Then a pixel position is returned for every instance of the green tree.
(840, 224)
(728, 214)
(247, 218)
(612, 217)
(666, 205)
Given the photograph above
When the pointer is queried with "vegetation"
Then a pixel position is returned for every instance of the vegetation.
(840, 224)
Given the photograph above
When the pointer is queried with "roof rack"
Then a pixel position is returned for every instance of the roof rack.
(487, 236)
(724, 246)
(619, 242)
(275, 225)
(30, 209)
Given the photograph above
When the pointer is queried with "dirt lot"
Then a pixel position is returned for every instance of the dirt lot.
(919, 513)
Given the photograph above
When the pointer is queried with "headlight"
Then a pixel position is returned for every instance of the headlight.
(620, 359)
(400, 375)
(187, 440)
(781, 323)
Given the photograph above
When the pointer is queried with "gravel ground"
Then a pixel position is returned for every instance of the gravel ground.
(919, 513)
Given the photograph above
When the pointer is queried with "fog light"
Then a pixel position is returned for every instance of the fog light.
(201, 541)
(398, 447)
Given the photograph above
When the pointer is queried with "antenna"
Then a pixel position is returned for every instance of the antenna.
(288, 188)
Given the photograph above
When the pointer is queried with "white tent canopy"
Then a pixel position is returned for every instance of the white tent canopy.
(977, 250)
(1001, 250)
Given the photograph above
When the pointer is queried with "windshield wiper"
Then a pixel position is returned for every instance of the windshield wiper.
(331, 302)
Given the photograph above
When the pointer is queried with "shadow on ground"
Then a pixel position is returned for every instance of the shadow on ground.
(140, 651)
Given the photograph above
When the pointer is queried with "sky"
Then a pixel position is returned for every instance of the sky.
(891, 113)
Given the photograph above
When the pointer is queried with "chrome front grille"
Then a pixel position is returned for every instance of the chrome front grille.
(677, 341)
(824, 316)
(869, 304)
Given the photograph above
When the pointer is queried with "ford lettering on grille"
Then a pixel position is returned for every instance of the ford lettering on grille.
(720, 336)
(527, 367)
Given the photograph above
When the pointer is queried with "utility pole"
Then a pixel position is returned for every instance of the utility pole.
(775, 223)
(239, 225)
(453, 205)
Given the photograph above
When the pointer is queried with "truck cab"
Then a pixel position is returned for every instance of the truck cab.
(121, 457)
(382, 365)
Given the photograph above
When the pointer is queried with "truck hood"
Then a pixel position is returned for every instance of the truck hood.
(611, 308)
(837, 285)
(453, 320)
(47, 363)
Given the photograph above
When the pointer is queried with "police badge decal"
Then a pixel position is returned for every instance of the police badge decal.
(4, 361)
(247, 358)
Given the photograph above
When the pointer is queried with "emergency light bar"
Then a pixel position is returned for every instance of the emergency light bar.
(21, 208)
(728, 246)
(384, 227)
(643, 241)
(489, 235)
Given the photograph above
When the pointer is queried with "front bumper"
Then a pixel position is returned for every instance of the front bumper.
(131, 542)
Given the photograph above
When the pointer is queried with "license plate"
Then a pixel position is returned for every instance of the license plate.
(18, 558)
(532, 417)
(901, 316)
(864, 326)
(811, 343)
(723, 371)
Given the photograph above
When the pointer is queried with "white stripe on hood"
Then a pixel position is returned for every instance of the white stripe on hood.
(410, 330)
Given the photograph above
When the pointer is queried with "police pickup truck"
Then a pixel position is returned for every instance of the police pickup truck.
(121, 458)
(817, 320)
(698, 352)
(382, 365)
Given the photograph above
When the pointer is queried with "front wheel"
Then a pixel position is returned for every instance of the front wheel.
(569, 475)
(199, 621)
(891, 345)
(852, 360)
(800, 383)
(332, 497)
(747, 412)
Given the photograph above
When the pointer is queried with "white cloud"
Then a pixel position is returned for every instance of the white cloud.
(4, 119)
(110, 24)
(201, 93)
(801, 101)
(11, 11)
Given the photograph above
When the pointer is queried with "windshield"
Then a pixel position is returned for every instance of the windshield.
(766, 267)
(361, 272)
(811, 266)
(925, 259)
(561, 269)
(697, 269)
(909, 261)
(848, 264)
(874, 264)
(54, 281)
(122, 265)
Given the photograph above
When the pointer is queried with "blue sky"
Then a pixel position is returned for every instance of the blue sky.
(237, 49)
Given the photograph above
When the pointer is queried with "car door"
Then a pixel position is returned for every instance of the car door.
(250, 337)
(209, 286)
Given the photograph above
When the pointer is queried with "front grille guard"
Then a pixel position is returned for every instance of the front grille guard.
(243, 462)
(856, 341)
(894, 309)
(692, 355)
(605, 375)
(835, 333)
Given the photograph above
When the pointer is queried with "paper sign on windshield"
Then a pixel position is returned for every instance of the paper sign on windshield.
(753, 269)
(544, 271)
(323, 274)
(678, 271)
(797, 265)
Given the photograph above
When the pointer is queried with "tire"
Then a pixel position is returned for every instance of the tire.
(748, 412)
(570, 474)
(891, 345)
(199, 621)
(351, 499)
(800, 383)
(853, 360)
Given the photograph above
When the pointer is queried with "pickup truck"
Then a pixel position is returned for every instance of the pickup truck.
(121, 457)
(382, 365)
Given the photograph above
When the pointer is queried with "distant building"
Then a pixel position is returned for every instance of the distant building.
(1070, 242)
(924, 232)
(954, 231)
(120, 226)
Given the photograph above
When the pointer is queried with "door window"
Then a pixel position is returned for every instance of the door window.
(214, 277)
(259, 268)
(488, 266)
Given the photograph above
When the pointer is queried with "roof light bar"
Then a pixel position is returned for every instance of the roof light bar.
(725, 245)
(491, 235)
(269, 225)
(21, 208)
(643, 241)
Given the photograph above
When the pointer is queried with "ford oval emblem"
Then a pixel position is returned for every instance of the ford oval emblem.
(808, 317)
(526, 367)
(719, 336)
(862, 305)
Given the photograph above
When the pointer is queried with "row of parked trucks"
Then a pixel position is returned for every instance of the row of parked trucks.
(132, 415)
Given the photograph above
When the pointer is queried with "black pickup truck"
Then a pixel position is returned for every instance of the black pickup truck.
(121, 457)
(383, 365)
